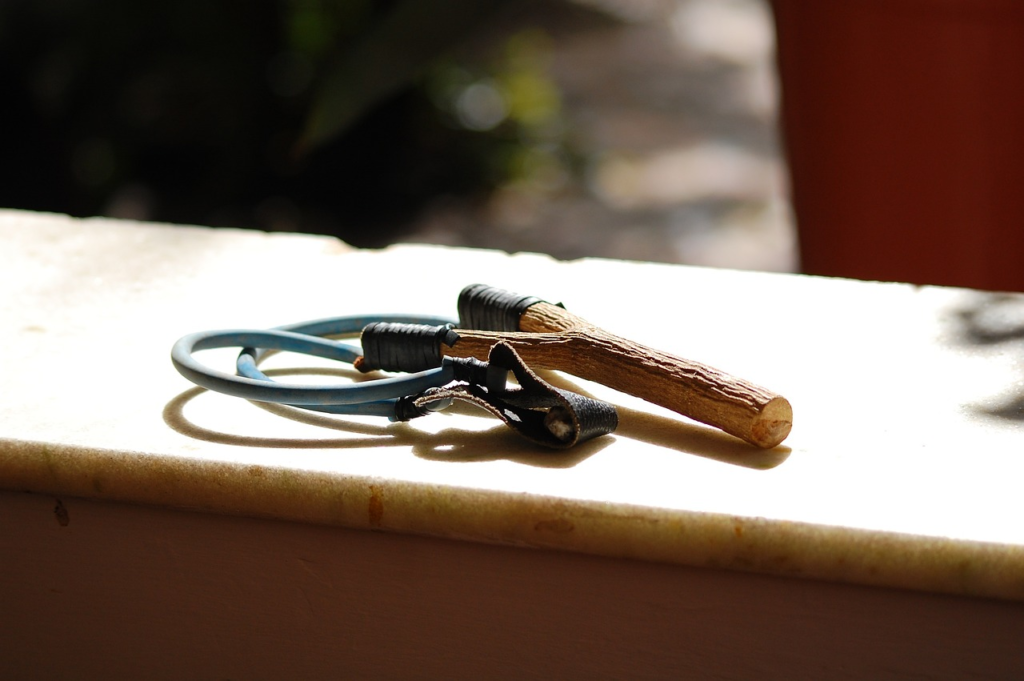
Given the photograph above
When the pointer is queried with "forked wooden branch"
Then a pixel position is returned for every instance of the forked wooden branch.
(552, 338)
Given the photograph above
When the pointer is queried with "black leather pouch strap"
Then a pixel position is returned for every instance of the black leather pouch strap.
(534, 408)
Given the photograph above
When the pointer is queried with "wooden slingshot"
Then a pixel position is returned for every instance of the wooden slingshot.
(547, 336)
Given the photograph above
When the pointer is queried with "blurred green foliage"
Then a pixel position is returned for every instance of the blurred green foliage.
(335, 117)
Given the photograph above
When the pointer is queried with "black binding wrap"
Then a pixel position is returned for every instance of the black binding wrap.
(390, 346)
(487, 308)
(535, 409)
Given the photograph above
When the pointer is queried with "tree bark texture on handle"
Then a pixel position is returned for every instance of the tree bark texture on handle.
(552, 338)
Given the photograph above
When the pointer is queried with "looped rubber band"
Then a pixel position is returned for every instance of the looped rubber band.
(372, 398)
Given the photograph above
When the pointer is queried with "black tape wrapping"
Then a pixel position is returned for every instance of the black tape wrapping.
(535, 409)
(487, 308)
(389, 346)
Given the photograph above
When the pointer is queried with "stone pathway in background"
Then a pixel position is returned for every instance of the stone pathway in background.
(675, 109)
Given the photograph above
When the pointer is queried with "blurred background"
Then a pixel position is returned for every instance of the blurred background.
(643, 129)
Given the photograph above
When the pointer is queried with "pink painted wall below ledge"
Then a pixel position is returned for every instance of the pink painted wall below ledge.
(99, 590)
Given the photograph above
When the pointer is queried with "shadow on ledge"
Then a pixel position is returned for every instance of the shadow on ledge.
(989, 320)
(493, 444)
(450, 444)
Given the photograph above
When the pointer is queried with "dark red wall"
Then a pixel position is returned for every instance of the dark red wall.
(904, 129)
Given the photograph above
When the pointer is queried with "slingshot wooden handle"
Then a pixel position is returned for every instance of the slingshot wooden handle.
(552, 338)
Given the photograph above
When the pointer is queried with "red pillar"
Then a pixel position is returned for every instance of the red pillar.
(903, 123)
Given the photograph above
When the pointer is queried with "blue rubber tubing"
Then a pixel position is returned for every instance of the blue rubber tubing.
(371, 398)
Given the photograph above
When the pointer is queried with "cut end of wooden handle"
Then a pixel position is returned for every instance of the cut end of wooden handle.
(773, 424)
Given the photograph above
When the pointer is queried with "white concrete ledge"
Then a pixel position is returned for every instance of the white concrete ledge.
(902, 470)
